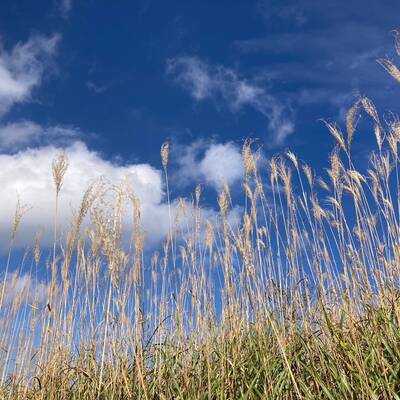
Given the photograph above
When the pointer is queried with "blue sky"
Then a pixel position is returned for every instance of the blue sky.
(111, 81)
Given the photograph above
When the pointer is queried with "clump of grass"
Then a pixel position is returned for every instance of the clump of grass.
(298, 300)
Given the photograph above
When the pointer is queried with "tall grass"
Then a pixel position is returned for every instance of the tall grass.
(299, 300)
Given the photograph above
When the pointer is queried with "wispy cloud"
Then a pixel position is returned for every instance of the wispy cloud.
(215, 82)
(290, 11)
(27, 150)
(318, 62)
(65, 7)
(15, 136)
(22, 69)
(213, 164)
(95, 87)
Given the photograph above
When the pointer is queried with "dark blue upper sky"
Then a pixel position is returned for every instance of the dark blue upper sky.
(124, 71)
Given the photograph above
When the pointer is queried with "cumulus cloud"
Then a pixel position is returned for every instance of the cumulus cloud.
(222, 162)
(28, 174)
(22, 69)
(204, 81)
(15, 136)
(27, 150)
(212, 163)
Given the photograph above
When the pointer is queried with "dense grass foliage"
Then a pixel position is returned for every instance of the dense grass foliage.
(298, 298)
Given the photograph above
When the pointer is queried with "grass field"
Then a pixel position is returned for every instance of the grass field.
(299, 300)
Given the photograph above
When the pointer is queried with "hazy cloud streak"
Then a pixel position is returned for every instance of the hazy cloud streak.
(203, 81)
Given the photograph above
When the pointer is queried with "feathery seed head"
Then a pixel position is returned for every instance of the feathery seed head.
(198, 194)
(248, 158)
(351, 121)
(308, 173)
(209, 235)
(390, 67)
(59, 168)
(20, 210)
(378, 136)
(292, 157)
(336, 166)
(223, 200)
(274, 170)
(37, 250)
(370, 109)
(336, 134)
(165, 154)
(397, 41)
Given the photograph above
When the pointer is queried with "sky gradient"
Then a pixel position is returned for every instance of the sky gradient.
(109, 82)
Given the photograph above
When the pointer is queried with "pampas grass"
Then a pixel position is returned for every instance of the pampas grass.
(299, 300)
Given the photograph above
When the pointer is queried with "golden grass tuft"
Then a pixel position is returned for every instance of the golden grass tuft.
(297, 300)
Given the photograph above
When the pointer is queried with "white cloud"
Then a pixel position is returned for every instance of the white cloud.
(222, 163)
(28, 149)
(193, 75)
(18, 135)
(281, 126)
(23, 67)
(204, 81)
(212, 163)
(28, 174)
